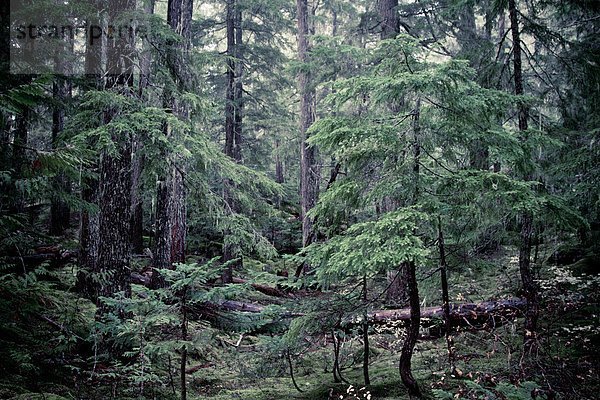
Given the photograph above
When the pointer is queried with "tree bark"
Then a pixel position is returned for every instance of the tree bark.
(408, 346)
(230, 93)
(239, 87)
(114, 249)
(114, 197)
(279, 176)
(233, 124)
(59, 210)
(529, 285)
(19, 159)
(137, 209)
(388, 13)
(89, 240)
(89, 220)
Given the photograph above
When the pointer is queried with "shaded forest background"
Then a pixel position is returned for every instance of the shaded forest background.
(265, 199)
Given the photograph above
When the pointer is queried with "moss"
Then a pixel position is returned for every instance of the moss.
(38, 396)
(7, 390)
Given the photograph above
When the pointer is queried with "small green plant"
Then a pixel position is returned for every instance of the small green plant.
(502, 391)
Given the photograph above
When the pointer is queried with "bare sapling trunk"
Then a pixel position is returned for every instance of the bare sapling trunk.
(445, 296)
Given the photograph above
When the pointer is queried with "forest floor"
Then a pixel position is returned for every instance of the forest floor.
(489, 363)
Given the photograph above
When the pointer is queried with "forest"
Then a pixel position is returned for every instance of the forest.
(310, 199)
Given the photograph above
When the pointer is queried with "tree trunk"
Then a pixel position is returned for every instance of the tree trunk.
(309, 171)
(411, 278)
(529, 286)
(114, 251)
(445, 296)
(233, 124)
(336, 357)
(89, 220)
(397, 292)
(19, 159)
(239, 88)
(89, 240)
(388, 14)
(161, 256)
(59, 210)
(171, 213)
(279, 177)
(137, 209)
(230, 93)
(412, 333)
(365, 327)
(184, 337)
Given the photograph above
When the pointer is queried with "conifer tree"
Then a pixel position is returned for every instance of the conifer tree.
(309, 171)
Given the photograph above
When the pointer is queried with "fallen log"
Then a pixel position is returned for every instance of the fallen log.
(232, 305)
(268, 290)
(469, 315)
(469, 311)
(197, 368)
(56, 258)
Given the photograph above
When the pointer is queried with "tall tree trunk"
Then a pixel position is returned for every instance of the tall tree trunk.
(89, 220)
(114, 198)
(59, 210)
(230, 93)
(137, 209)
(397, 292)
(114, 249)
(233, 101)
(471, 48)
(171, 213)
(529, 286)
(239, 88)
(233, 124)
(309, 171)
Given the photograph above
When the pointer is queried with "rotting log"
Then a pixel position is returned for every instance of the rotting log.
(58, 257)
(458, 312)
(268, 290)
(469, 315)
(466, 316)
(469, 311)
